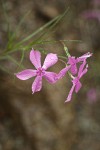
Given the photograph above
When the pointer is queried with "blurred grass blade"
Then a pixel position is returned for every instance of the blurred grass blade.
(14, 61)
(51, 42)
(60, 17)
(21, 60)
(6, 17)
(13, 36)
(37, 31)
(57, 21)
(5, 69)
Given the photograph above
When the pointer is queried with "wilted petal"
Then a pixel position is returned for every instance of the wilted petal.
(78, 86)
(50, 60)
(70, 94)
(62, 73)
(26, 74)
(51, 77)
(35, 58)
(37, 84)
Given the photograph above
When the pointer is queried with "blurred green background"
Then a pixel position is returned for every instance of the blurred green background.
(43, 121)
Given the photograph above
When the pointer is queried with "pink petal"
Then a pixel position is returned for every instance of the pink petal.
(51, 77)
(37, 84)
(78, 86)
(81, 69)
(62, 73)
(73, 69)
(35, 58)
(50, 60)
(26, 74)
(85, 56)
(84, 71)
(71, 60)
(70, 94)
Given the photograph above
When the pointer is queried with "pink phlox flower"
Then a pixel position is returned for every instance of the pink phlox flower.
(92, 14)
(72, 61)
(76, 80)
(92, 95)
(35, 58)
(72, 65)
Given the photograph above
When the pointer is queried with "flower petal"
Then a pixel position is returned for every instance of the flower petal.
(73, 69)
(26, 74)
(70, 94)
(51, 77)
(50, 60)
(85, 70)
(71, 60)
(37, 84)
(35, 58)
(78, 86)
(84, 57)
(62, 73)
(81, 69)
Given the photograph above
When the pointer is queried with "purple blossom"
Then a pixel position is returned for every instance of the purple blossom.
(92, 95)
(35, 58)
(72, 61)
(76, 80)
(91, 14)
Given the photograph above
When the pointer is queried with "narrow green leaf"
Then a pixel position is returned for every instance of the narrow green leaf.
(13, 36)
(37, 31)
(14, 61)
(5, 69)
(21, 60)
(43, 35)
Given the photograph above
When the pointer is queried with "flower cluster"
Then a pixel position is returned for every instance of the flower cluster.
(51, 59)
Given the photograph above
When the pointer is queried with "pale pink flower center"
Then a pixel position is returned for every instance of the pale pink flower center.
(40, 72)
